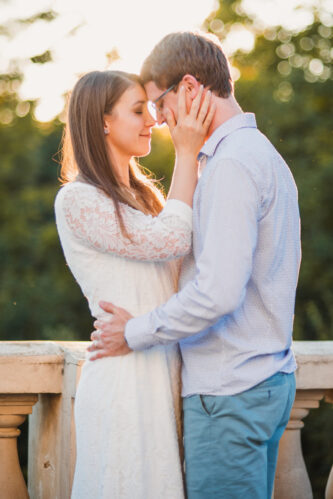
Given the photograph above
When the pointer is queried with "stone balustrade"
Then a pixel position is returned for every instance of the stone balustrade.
(40, 379)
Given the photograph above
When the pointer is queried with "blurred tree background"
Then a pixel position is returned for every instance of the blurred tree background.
(286, 79)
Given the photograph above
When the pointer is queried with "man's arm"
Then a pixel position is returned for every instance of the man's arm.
(229, 213)
(228, 225)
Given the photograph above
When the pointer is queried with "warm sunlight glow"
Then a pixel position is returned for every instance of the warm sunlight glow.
(239, 38)
(102, 34)
(83, 34)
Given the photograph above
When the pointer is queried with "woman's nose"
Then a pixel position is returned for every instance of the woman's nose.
(149, 119)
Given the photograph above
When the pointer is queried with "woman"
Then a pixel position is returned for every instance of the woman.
(118, 241)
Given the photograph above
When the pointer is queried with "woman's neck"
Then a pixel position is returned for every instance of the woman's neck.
(120, 163)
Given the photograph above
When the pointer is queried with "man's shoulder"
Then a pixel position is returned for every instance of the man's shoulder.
(243, 142)
(250, 148)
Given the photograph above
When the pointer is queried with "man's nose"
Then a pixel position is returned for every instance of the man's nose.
(160, 118)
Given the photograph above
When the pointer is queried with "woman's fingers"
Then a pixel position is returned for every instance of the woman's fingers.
(209, 117)
(204, 106)
(170, 119)
(181, 103)
(196, 103)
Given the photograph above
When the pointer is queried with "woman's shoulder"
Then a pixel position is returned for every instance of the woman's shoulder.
(77, 191)
(77, 186)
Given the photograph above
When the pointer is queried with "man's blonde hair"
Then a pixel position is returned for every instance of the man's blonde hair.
(197, 54)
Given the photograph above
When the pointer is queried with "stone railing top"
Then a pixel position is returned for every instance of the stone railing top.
(313, 348)
(31, 367)
(314, 365)
(37, 366)
(29, 348)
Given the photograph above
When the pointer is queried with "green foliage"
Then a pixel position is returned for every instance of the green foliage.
(287, 81)
(38, 294)
(42, 58)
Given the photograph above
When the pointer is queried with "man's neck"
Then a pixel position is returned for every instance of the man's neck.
(225, 109)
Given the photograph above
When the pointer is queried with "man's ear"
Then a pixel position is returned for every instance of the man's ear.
(191, 86)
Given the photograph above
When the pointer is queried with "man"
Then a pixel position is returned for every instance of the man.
(233, 318)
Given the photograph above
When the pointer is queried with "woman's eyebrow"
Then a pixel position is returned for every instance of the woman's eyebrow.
(139, 102)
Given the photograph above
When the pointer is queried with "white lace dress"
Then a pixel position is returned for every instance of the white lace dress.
(127, 409)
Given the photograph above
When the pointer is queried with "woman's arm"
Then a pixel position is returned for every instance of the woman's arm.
(188, 135)
(91, 217)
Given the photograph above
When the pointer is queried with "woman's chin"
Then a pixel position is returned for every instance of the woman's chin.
(143, 152)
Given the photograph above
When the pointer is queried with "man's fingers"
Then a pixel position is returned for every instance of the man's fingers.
(196, 103)
(94, 335)
(95, 345)
(113, 309)
(110, 353)
(102, 325)
(100, 354)
(107, 306)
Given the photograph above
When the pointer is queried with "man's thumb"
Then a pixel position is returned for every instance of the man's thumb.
(169, 118)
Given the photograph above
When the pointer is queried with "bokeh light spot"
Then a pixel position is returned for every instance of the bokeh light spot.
(22, 109)
(316, 67)
(284, 68)
(285, 50)
(6, 116)
(306, 43)
(284, 92)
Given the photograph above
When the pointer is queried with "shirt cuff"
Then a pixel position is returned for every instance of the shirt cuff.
(180, 209)
(139, 333)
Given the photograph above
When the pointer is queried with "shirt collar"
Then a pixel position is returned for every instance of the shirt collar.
(242, 120)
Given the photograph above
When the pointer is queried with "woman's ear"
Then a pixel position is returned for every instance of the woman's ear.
(105, 126)
(191, 85)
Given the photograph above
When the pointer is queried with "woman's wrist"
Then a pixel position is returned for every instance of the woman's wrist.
(186, 157)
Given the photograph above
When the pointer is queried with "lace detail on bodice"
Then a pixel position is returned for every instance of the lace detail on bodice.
(91, 217)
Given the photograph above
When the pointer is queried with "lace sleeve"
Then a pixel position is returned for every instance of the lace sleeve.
(91, 216)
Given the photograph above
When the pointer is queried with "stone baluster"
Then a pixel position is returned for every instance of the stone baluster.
(329, 486)
(291, 480)
(13, 411)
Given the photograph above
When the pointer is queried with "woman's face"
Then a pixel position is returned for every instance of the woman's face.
(129, 124)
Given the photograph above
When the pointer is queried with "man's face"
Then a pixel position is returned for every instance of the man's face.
(168, 101)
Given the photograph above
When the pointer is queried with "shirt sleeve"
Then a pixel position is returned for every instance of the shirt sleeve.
(92, 218)
(229, 213)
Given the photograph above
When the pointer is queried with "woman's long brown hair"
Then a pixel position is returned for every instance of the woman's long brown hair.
(84, 149)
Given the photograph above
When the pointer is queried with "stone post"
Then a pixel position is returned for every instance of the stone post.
(13, 412)
(329, 486)
(291, 480)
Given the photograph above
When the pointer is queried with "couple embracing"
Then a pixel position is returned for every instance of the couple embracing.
(203, 282)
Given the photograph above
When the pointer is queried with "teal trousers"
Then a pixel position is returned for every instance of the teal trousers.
(231, 442)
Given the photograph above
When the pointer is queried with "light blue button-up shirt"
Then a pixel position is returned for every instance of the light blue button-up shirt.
(233, 318)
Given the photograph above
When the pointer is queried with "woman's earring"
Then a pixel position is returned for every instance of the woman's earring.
(106, 131)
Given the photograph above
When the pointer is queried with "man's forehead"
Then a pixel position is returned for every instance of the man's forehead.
(152, 90)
